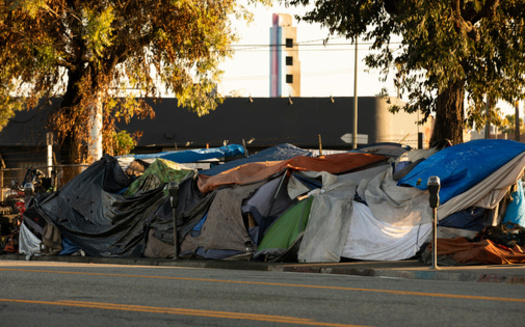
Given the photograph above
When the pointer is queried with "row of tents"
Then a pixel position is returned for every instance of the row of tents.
(284, 204)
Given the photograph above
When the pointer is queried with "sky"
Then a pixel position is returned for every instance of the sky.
(325, 69)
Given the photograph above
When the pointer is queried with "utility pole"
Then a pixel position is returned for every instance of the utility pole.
(354, 139)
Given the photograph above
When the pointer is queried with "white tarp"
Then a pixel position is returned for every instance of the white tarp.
(325, 234)
(373, 239)
(29, 242)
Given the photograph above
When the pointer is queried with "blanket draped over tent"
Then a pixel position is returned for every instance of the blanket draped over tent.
(284, 204)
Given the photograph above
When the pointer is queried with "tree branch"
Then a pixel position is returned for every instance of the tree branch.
(462, 25)
(66, 64)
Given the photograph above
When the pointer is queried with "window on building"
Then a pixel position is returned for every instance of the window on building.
(289, 78)
(289, 43)
(289, 61)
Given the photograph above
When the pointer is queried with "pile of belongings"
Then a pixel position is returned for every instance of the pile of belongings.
(282, 204)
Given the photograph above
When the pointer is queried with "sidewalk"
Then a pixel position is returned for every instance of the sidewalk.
(410, 269)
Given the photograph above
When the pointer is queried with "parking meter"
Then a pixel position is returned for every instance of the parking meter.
(173, 190)
(433, 185)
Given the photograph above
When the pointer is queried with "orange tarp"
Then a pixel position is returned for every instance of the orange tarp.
(482, 252)
(258, 171)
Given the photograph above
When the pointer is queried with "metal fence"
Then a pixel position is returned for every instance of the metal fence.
(12, 180)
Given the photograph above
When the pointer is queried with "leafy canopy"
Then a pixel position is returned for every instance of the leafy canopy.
(474, 46)
(96, 52)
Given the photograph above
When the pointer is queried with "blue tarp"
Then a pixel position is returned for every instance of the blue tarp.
(187, 156)
(471, 219)
(462, 166)
(516, 209)
(277, 153)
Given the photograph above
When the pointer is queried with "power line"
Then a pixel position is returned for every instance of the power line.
(324, 47)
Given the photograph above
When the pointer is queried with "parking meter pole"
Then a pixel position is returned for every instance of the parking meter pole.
(173, 190)
(434, 185)
(434, 239)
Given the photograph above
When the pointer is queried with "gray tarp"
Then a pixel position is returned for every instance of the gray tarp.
(224, 228)
(329, 220)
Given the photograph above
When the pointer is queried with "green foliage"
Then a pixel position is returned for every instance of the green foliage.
(508, 125)
(123, 143)
(93, 52)
(99, 29)
(474, 47)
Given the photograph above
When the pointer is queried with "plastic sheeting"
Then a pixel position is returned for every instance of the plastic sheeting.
(224, 228)
(188, 156)
(277, 153)
(158, 173)
(90, 213)
(516, 209)
(395, 205)
(287, 228)
(488, 192)
(29, 243)
(325, 235)
(387, 149)
(471, 219)
(324, 238)
(267, 203)
(258, 171)
(373, 239)
(462, 166)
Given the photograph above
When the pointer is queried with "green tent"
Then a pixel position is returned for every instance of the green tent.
(287, 228)
(159, 172)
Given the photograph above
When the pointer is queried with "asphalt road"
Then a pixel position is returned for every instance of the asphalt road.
(66, 294)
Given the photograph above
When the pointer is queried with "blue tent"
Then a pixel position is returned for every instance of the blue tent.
(277, 153)
(187, 156)
(462, 166)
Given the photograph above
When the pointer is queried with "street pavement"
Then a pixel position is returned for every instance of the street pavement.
(408, 269)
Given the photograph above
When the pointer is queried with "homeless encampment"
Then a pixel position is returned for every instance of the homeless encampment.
(354, 205)
(91, 213)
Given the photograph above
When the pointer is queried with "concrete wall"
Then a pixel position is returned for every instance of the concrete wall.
(268, 121)
(273, 121)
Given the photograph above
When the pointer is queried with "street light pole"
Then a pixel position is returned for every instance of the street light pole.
(354, 141)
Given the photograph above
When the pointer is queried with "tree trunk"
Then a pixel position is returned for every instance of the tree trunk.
(70, 157)
(94, 146)
(449, 122)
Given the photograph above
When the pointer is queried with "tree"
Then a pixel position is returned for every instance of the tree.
(450, 51)
(509, 125)
(92, 52)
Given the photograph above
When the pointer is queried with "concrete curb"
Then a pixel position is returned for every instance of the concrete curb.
(408, 269)
(410, 273)
(211, 264)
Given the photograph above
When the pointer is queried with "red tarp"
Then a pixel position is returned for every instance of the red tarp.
(253, 172)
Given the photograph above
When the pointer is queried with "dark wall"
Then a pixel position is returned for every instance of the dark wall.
(270, 121)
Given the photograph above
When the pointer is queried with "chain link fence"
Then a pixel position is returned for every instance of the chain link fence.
(43, 178)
